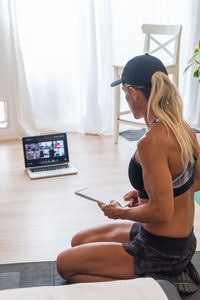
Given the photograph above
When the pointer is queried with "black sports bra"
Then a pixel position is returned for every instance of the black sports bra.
(181, 182)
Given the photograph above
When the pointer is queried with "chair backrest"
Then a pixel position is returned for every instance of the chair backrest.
(163, 41)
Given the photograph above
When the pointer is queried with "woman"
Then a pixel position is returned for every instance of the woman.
(165, 172)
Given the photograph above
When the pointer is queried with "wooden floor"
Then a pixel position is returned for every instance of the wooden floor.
(39, 217)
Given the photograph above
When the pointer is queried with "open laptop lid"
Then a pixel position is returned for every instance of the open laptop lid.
(45, 150)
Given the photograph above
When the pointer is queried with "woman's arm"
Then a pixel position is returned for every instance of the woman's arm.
(158, 185)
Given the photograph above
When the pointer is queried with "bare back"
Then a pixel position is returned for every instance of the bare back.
(181, 222)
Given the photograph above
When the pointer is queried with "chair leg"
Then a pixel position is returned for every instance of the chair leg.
(116, 113)
(116, 131)
(176, 80)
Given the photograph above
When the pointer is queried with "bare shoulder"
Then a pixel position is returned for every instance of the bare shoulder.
(153, 145)
(155, 137)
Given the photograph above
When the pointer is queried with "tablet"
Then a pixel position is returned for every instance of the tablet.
(99, 196)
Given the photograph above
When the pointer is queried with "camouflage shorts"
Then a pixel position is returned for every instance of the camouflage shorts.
(153, 253)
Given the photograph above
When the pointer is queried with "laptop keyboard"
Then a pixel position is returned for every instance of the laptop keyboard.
(49, 168)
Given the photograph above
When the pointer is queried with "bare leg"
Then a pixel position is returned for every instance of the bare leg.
(113, 232)
(96, 262)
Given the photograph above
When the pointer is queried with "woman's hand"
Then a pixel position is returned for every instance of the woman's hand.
(113, 210)
(133, 197)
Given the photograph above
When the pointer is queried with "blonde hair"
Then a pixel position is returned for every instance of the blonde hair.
(166, 103)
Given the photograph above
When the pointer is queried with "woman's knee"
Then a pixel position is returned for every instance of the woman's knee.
(91, 235)
(78, 239)
(59, 263)
(84, 237)
(63, 264)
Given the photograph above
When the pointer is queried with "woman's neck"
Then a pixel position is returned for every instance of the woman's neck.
(152, 119)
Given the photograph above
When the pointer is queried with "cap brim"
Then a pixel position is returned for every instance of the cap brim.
(116, 82)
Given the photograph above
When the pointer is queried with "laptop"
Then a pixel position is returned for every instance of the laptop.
(47, 155)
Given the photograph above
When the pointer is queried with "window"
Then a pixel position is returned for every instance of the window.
(3, 114)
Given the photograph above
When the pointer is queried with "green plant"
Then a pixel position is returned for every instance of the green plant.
(195, 62)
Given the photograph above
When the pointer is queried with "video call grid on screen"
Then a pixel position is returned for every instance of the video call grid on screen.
(43, 150)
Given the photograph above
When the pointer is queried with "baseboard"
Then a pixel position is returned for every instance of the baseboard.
(6, 134)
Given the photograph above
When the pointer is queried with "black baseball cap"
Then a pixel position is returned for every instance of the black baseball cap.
(139, 70)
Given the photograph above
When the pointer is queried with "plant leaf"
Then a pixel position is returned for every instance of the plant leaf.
(187, 67)
(192, 59)
(197, 60)
(196, 73)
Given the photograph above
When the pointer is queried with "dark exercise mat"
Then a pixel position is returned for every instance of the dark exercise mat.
(133, 135)
(29, 274)
(136, 134)
(196, 262)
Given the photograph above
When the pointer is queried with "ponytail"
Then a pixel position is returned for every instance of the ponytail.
(166, 103)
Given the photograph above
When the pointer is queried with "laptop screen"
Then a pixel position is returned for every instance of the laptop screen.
(45, 150)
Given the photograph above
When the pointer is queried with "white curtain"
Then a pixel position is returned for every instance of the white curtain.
(67, 54)
(20, 101)
(57, 56)
(20, 118)
(191, 87)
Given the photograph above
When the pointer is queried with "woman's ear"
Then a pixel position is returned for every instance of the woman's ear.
(133, 92)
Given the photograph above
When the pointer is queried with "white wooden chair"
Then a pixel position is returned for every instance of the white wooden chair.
(162, 41)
